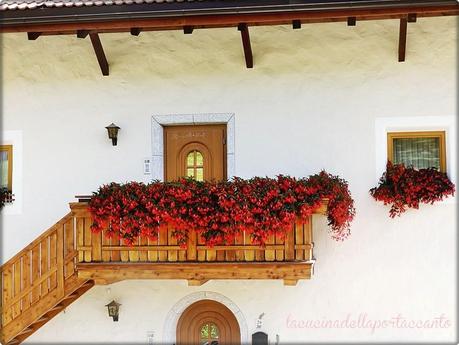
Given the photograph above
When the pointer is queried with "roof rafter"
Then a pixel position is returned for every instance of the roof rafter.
(135, 31)
(188, 30)
(402, 39)
(296, 24)
(245, 36)
(32, 36)
(99, 50)
(351, 21)
(82, 33)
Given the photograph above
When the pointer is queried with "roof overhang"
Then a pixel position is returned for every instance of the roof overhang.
(89, 21)
(212, 14)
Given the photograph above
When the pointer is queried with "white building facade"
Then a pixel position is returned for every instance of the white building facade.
(322, 97)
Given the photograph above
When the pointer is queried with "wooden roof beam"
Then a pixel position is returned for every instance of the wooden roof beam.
(99, 50)
(188, 29)
(351, 21)
(82, 33)
(32, 36)
(402, 39)
(135, 31)
(244, 29)
(412, 17)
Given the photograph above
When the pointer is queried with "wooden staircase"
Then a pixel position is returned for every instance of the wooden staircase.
(40, 281)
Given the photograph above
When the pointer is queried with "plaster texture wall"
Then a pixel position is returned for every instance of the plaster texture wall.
(314, 100)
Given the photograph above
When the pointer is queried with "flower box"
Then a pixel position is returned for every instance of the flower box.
(107, 260)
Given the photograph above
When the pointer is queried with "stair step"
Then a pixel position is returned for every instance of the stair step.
(42, 319)
(13, 342)
(57, 307)
(25, 331)
(73, 295)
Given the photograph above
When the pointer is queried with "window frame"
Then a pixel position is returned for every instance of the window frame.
(441, 135)
(9, 150)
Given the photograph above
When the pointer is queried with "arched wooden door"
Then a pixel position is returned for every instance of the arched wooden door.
(198, 152)
(208, 323)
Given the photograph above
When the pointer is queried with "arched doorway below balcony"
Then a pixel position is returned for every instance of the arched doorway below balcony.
(208, 322)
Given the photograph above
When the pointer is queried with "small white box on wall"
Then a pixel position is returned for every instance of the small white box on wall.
(147, 166)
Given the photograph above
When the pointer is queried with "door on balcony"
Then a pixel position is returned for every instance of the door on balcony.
(208, 323)
(198, 152)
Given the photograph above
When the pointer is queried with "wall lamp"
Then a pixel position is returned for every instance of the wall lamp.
(113, 133)
(113, 310)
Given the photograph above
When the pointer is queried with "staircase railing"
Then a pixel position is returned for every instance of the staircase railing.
(38, 278)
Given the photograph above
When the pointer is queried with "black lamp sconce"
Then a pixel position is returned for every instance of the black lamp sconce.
(113, 310)
(113, 133)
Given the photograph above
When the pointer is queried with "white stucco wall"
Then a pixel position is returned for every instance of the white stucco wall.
(313, 101)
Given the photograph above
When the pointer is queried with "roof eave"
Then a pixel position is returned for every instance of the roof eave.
(123, 17)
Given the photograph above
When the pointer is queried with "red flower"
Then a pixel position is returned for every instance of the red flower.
(402, 187)
(219, 211)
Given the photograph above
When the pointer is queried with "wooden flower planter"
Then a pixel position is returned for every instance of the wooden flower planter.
(109, 260)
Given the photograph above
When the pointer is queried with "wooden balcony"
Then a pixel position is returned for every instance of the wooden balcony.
(68, 259)
(106, 261)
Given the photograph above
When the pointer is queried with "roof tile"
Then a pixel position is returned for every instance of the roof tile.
(32, 4)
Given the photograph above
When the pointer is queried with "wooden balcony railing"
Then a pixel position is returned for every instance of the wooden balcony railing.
(109, 260)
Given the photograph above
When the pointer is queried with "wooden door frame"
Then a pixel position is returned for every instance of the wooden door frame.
(161, 121)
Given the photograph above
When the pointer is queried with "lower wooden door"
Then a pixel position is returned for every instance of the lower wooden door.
(208, 323)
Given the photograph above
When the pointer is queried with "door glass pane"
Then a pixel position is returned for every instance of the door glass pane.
(209, 334)
(199, 159)
(195, 165)
(213, 331)
(205, 332)
(199, 174)
(190, 159)
(417, 152)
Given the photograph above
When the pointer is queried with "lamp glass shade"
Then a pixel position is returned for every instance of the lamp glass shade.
(112, 130)
(113, 310)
